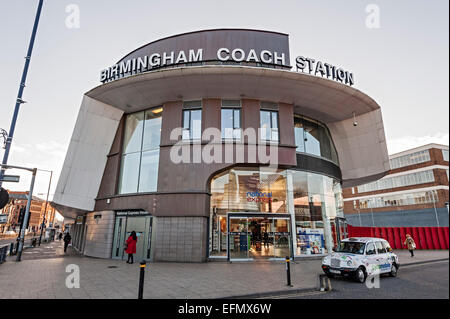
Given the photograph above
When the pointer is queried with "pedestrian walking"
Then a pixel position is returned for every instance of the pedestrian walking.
(60, 236)
(409, 242)
(266, 239)
(131, 247)
(67, 239)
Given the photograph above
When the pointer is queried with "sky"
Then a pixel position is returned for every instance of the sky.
(402, 63)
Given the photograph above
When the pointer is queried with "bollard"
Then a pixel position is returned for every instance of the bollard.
(141, 279)
(11, 249)
(288, 271)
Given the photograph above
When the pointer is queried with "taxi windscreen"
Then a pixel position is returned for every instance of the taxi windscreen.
(351, 247)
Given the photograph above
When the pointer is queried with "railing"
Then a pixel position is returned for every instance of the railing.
(424, 237)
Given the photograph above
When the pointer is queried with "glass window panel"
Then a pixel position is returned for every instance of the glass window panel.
(274, 119)
(129, 173)
(196, 124)
(325, 143)
(227, 123)
(445, 155)
(274, 135)
(237, 133)
(152, 129)
(148, 179)
(186, 120)
(265, 125)
(299, 135)
(312, 143)
(133, 132)
(237, 118)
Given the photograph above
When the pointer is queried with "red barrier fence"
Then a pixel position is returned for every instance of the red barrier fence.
(424, 237)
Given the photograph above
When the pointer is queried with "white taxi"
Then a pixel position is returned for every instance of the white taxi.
(360, 257)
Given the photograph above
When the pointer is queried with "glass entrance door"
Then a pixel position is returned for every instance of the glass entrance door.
(238, 238)
(119, 237)
(259, 237)
(142, 225)
(282, 238)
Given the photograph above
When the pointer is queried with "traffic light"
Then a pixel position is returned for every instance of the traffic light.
(4, 197)
(22, 216)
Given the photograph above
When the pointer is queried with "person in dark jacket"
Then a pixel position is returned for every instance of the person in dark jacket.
(131, 247)
(60, 236)
(67, 239)
(266, 239)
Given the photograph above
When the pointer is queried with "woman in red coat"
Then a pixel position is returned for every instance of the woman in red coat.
(131, 246)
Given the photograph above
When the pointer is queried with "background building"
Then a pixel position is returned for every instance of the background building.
(414, 193)
(38, 211)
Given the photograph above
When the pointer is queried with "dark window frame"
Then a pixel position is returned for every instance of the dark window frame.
(271, 111)
(123, 154)
(189, 109)
(233, 108)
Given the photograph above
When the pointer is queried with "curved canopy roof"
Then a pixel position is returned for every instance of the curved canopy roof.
(317, 97)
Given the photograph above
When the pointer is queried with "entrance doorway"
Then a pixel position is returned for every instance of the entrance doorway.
(125, 224)
(258, 236)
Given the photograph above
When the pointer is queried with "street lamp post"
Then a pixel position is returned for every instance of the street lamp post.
(19, 100)
(46, 202)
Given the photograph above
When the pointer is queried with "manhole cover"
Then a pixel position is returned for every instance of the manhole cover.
(112, 266)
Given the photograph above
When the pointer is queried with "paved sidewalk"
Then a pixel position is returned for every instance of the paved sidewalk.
(42, 277)
(420, 256)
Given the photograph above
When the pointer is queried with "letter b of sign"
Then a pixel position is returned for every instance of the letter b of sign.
(73, 19)
(73, 279)
(373, 19)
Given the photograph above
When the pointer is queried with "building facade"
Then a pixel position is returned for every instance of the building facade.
(414, 193)
(209, 146)
(38, 212)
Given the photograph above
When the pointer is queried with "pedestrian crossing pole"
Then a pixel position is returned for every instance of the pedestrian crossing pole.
(26, 217)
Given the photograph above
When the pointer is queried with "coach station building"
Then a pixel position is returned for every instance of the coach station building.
(212, 146)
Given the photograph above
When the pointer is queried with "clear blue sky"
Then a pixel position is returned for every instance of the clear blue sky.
(403, 65)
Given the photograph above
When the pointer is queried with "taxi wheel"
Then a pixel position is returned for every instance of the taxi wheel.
(360, 275)
(394, 271)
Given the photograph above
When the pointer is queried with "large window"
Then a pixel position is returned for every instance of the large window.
(269, 122)
(398, 181)
(311, 199)
(140, 152)
(313, 138)
(445, 155)
(231, 119)
(400, 200)
(192, 120)
(410, 159)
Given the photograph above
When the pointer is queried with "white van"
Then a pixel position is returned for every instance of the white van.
(360, 257)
